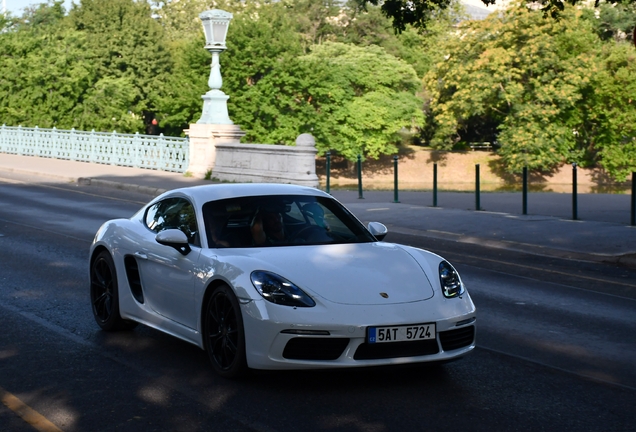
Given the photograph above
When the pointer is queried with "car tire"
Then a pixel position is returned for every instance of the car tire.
(223, 333)
(105, 294)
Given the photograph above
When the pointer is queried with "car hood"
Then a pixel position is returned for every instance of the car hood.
(361, 274)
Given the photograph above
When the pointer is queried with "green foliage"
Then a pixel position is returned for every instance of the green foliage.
(179, 100)
(540, 88)
(45, 71)
(262, 38)
(419, 13)
(180, 18)
(128, 47)
(613, 21)
(370, 98)
(354, 100)
(609, 123)
(93, 113)
(371, 27)
(97, 68)
(316, 21)
(403, 13)
(277, 92)
(44, 14)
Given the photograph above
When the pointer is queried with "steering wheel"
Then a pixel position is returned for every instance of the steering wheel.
(306, 232)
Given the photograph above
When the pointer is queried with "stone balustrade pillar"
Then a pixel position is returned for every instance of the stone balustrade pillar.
(203, 141)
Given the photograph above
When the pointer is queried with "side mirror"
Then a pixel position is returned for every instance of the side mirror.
(378, 230)
(174, 238)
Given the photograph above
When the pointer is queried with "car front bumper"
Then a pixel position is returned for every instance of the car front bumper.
(309, 338)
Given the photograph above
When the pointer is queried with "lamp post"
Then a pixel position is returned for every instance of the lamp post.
(215, 25)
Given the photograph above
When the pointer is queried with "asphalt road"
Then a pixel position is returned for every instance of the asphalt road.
(556, 345)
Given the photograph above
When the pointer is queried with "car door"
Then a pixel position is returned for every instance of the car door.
(167, 276)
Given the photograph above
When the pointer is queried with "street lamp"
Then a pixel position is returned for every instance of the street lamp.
(215, 25)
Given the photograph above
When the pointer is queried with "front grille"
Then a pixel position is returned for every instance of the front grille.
(387, 350)
(458, 338)
(312, 348)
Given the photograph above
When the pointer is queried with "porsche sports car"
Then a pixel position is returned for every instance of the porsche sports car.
(272, 276)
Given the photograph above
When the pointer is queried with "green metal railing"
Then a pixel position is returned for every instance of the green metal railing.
(132, 150)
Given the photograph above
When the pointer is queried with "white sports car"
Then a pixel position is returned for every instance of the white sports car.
(268, 276)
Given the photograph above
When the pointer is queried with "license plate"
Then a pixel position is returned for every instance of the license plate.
(413, 332)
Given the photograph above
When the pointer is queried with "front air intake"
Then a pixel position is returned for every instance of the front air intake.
(458, 338)
(315, 348)
(134, 281)
(367, 351)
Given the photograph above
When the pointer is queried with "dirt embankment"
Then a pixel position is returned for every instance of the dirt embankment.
(457, 171)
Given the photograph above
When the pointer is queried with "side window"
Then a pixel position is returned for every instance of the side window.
(174, 213)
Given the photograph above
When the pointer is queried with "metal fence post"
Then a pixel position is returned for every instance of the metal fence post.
(20, 140)
(35, 149)
(136, 150)
(161, 148)
(574, 193)
(328, 170)
(360, 177)
(395, 179)
(93, 146)
(185, 161)
(57, 151)
(477, 198)
(525, 191)
(633, 218)
(434, 185)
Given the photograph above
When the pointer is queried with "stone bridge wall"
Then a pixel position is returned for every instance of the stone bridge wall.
(266, 163)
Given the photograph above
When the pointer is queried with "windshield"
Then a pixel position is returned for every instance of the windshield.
(280, 220)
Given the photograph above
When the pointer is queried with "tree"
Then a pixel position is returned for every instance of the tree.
(129, 53)
(179, 94)
(46, 70)
(544, 90)
(317, 21)
(370, 27)
(608, 126)
(419, 13)
(613, 21)
(354, 100)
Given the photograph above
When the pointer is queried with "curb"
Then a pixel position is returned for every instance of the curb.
(38, 174)
(148, 190)
(627, 260)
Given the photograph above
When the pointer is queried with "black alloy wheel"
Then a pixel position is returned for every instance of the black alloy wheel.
(224, 336)
(105, 295)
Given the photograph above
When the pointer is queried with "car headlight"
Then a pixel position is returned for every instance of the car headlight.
(452, 285)
(279, 290)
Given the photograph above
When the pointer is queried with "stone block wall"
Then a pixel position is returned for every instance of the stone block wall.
(266, 163)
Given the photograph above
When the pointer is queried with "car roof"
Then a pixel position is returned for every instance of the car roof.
(204, 193)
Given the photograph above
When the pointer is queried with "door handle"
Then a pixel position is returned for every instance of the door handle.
(141, 255)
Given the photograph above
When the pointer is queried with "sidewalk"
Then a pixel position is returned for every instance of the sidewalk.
(553, 233)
